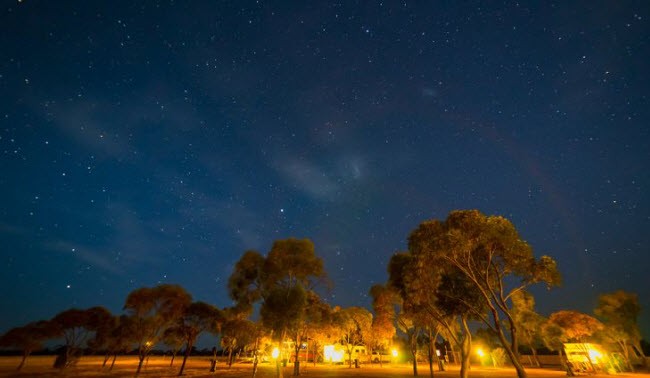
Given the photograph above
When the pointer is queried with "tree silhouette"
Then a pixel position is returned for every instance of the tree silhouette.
(28, 338)
(197, 318)
(77, 327)
(281, 282)
(151, 311)
(619, 312)
(489, 253)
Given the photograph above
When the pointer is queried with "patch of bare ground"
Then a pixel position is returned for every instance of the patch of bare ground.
(156, 366)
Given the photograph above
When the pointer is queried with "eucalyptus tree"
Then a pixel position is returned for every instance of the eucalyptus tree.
(355, 325)
(487, 252)
(174, 338)
(119, 337)
(197, 318)
(151, 311)
(383, 323)
(435, 297)
(77, 327)
(28, 338)
(528, 321)
(577, 326)
(280, 282)
(619, 312)
(236, 332)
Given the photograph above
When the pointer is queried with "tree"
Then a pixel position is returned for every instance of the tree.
(197, 318)
(383, 328)
(528, 321)
(77, 327)
(577, 326)
(490, 254)
(619, 311)
(174, 338)
(432, 295)
(152, 310)
(554, 337)
(28, 338)
(119, 337)
(237, 331)
(280, 282)
(355, 323)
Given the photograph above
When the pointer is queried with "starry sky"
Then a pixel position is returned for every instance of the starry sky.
(155, 141)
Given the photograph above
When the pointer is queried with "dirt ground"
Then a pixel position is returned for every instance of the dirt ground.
(41, 366)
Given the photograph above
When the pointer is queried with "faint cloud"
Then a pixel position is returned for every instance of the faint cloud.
(95, 257)
(308, 178)
(86, 123)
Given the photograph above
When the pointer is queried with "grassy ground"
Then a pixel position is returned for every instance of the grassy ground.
(41, 366)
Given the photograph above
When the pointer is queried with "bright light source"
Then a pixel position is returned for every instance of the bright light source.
(438, 352)
(331, 354)
(275, 353)
(480, 352)
(595, 355)
(394, 352)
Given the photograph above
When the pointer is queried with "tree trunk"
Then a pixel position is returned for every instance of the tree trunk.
(511, 348)
(538, 363)
(257, 341)
(296, 360)
(414, 352)
(171, 363)
(22, 362)
(113, 362)
(431, 352)
(141, 357)
(106, 357)
(188, 350)
(465, 349)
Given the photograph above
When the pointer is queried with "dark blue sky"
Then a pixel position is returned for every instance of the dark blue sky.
(156, 141)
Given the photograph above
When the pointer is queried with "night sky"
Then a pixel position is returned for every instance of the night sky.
(154, 142)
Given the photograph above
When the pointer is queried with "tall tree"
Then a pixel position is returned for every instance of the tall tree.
(197, 318)
(152, 310)
(619, 311)
(489, 253)
(431, 295)
(355, 323)
(28, 338)
(280, 282)
(77, 327)
(174, 338)
(554, 337)
(383, 328)
(528, 321)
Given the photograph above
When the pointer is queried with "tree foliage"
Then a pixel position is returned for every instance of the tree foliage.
(281, 281)
(488, 252)
(577, 326)
(28, 338)
(152, 310)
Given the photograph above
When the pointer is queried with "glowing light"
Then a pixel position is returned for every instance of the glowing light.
(332, 355)
(275, 353)
(595, 355)
(480, 352)
(394, 352)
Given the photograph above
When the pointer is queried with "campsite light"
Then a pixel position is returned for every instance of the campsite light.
(595, 355)
(480, 352)
(275, 353)
(394, 352)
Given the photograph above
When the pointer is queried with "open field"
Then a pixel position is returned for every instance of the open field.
(41, 366)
